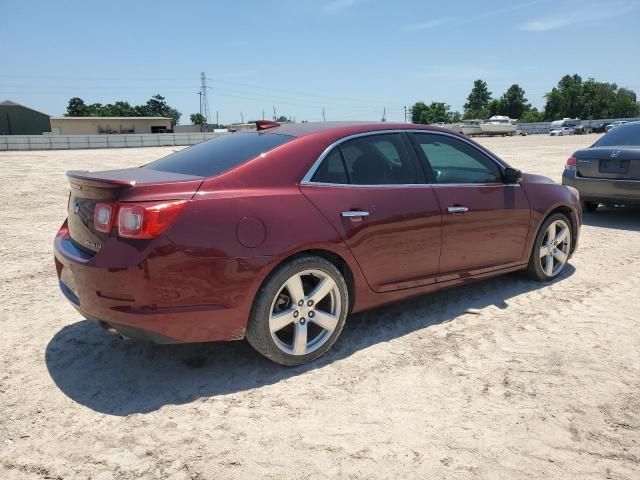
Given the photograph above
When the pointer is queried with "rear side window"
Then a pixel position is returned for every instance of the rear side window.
(331, 170)
(378, 160)
(214, 156)
(622, 136)
(370, 160)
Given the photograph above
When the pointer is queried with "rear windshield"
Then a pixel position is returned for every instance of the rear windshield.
(624, 135)
(214, 156)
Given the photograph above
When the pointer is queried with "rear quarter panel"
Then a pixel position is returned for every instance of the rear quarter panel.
(264, 225)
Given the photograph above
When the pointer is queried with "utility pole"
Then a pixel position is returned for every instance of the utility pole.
(263, 113)
(200, 94)
(241, 118)
(275, 117)
(204, 101)
(405, 114)
(217, 121)
(384, 114)
(324, 118)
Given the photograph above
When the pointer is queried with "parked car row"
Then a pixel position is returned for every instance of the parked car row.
(569, 126)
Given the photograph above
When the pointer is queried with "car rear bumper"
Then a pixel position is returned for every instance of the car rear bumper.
(603, 190)
(158, 292)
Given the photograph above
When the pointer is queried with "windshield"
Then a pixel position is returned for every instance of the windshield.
(214, 156)
(624, 135)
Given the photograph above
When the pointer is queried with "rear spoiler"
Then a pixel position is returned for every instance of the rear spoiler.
(266, 124)
(95, 180)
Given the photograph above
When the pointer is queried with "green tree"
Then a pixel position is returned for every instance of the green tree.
(478, 100)
(494, 108)
(513, 102)
(625, 104)
(565, 100)
(282, 118)
(532, 115)
(77, 108)
(96, 110)
(198, 119)
(434, 113)
(590, 99)
(157, 107)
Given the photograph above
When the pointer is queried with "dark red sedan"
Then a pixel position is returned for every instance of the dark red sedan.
(277, 235)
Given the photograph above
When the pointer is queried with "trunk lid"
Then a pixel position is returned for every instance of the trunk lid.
(126, 185)
(615, 163)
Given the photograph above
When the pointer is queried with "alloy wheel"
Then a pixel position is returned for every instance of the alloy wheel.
(555, 248)
(305, 312)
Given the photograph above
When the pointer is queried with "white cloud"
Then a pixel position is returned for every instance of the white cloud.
(335, 6)
(425, 25)
(577, 15)
(467, 20)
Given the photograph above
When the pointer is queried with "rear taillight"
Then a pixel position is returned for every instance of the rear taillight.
(571, 163)
(148, 219)
(103, 217)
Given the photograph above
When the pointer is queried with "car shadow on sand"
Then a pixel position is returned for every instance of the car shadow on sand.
(617, 218)
(116, 377)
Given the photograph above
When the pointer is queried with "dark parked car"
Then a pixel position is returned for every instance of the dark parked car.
(598, 127)
(277, 235)
(608, 172)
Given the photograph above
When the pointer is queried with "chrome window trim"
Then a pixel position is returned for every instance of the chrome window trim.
(306, 180)
(405, 185)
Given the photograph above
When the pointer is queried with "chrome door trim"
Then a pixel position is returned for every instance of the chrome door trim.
(306, 180)
(459, 209)
(354, 214)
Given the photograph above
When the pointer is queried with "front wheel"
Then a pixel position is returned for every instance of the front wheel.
(551, 249)
(299, 312)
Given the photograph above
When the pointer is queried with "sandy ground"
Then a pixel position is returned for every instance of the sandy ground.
(541, 381)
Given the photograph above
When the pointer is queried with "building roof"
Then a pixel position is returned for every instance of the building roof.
(10, 103)
(110, 118)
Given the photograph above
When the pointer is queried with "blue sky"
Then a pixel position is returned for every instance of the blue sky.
(352, 57)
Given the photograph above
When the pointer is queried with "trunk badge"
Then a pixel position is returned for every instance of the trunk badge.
(95, 245)
(615, 154)
(76, 207)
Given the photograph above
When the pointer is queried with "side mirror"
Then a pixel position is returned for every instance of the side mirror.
(512, 176)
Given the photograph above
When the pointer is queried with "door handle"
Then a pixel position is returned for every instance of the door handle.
(457, 209)
(354, 214)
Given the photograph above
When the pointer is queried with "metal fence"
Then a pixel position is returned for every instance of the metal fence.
(69, 142)
(544, 127)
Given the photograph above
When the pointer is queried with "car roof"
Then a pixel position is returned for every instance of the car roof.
(346, 128)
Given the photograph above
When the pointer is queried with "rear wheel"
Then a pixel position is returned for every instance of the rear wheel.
(589, 206)
(551, 249)
(299, 312)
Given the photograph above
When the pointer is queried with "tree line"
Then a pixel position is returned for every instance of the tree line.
(572, 98)
(156, 106)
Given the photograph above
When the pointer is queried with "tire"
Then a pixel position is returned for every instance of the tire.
(558, 254)
(278, 323)
(589, 206)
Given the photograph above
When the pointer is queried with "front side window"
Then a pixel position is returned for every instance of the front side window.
(371, 160)
(455, 161)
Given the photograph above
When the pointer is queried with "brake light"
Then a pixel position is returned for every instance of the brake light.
(148, 219)
(103, 217)
(571, 163)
